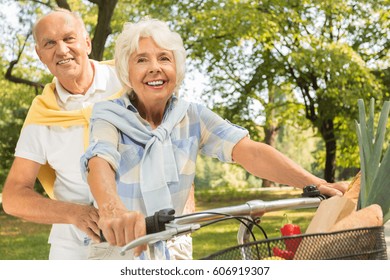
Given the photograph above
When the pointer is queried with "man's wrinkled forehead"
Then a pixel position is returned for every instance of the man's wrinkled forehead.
(51, 22)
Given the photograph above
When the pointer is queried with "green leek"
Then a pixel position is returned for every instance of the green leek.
(375, 168)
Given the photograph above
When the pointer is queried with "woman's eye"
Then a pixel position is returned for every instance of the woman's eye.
(141, 59)
(165, 58)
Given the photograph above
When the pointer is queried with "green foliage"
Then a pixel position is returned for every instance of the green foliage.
(301, 145)
(261, 57)
(211, 173)
(14, 104)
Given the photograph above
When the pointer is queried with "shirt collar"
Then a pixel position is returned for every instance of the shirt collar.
(99, 83)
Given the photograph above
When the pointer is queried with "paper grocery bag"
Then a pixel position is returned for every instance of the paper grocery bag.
(329, 212)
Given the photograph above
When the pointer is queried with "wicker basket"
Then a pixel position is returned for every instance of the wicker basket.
(357, 244)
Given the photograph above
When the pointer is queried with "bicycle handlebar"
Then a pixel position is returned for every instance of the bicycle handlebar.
(190, 223)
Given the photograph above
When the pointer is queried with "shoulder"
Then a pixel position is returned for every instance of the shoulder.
(119, 101)
(114, 105)
(32, 137)
(200, 111)
(106, 77)
(36, 130)
(107, 62)
(107, 66)
(196, 108)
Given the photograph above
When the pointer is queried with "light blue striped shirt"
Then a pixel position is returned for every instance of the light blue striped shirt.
(200, 131)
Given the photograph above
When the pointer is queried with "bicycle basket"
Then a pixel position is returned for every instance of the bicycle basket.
(356, 244)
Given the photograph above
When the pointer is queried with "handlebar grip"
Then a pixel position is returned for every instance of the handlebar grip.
(153, 226)
(156, 223)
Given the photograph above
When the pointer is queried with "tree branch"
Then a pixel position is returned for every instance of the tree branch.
(63, 4)
(43, 3)
(8, 75)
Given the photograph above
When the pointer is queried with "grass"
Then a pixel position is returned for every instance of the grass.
(21, 240)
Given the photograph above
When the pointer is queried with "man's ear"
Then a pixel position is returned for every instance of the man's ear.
(38, 53)
(89, 44)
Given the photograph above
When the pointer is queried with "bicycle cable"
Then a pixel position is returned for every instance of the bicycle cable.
(241, 219)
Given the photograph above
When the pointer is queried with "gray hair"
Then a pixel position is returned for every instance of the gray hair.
(128, 42)
(60, 10)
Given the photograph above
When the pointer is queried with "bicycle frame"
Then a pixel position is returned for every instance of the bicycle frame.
(252, 209)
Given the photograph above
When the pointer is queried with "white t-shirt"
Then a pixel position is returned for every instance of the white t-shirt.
(62, 148)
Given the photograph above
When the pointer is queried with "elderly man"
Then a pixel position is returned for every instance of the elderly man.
(54, 135)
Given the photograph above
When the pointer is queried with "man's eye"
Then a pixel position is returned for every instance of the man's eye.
(69, 39)
(49, 44)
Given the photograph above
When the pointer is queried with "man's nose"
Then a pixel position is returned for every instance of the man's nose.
(62, 48)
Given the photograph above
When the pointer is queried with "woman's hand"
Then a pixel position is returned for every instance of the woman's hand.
(332, 189)
(120, 226)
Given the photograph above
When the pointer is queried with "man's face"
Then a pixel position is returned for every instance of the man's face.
(62, 46)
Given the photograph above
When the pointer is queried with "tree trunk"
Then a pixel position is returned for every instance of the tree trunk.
(327, 132)
(103, 30)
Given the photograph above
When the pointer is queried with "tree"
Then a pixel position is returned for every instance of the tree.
(270, 63)
(14, 103)
(319, 53)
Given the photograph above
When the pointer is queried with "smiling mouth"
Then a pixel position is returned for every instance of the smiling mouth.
(64, 61)
(155, 83)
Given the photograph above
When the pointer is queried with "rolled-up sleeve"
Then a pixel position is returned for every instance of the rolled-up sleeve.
(219, 136)
(104, 144)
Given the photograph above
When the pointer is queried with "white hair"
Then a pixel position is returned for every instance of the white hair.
(128, 42)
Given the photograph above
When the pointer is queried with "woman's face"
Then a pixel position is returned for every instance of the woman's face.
(152, 72)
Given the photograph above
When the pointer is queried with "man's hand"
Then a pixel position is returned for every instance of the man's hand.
(86, 219)
(120, 226)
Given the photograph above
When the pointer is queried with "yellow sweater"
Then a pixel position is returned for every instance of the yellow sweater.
(44, 110)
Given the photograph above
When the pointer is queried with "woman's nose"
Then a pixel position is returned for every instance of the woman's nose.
(154, 67)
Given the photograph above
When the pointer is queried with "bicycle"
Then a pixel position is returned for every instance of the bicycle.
(363, 243)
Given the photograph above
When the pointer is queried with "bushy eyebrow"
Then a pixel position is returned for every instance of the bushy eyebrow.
(48, 39)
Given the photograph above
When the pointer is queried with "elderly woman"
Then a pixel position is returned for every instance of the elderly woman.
(143, 146)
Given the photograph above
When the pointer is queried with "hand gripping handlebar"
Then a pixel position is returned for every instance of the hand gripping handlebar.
(163, 225)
